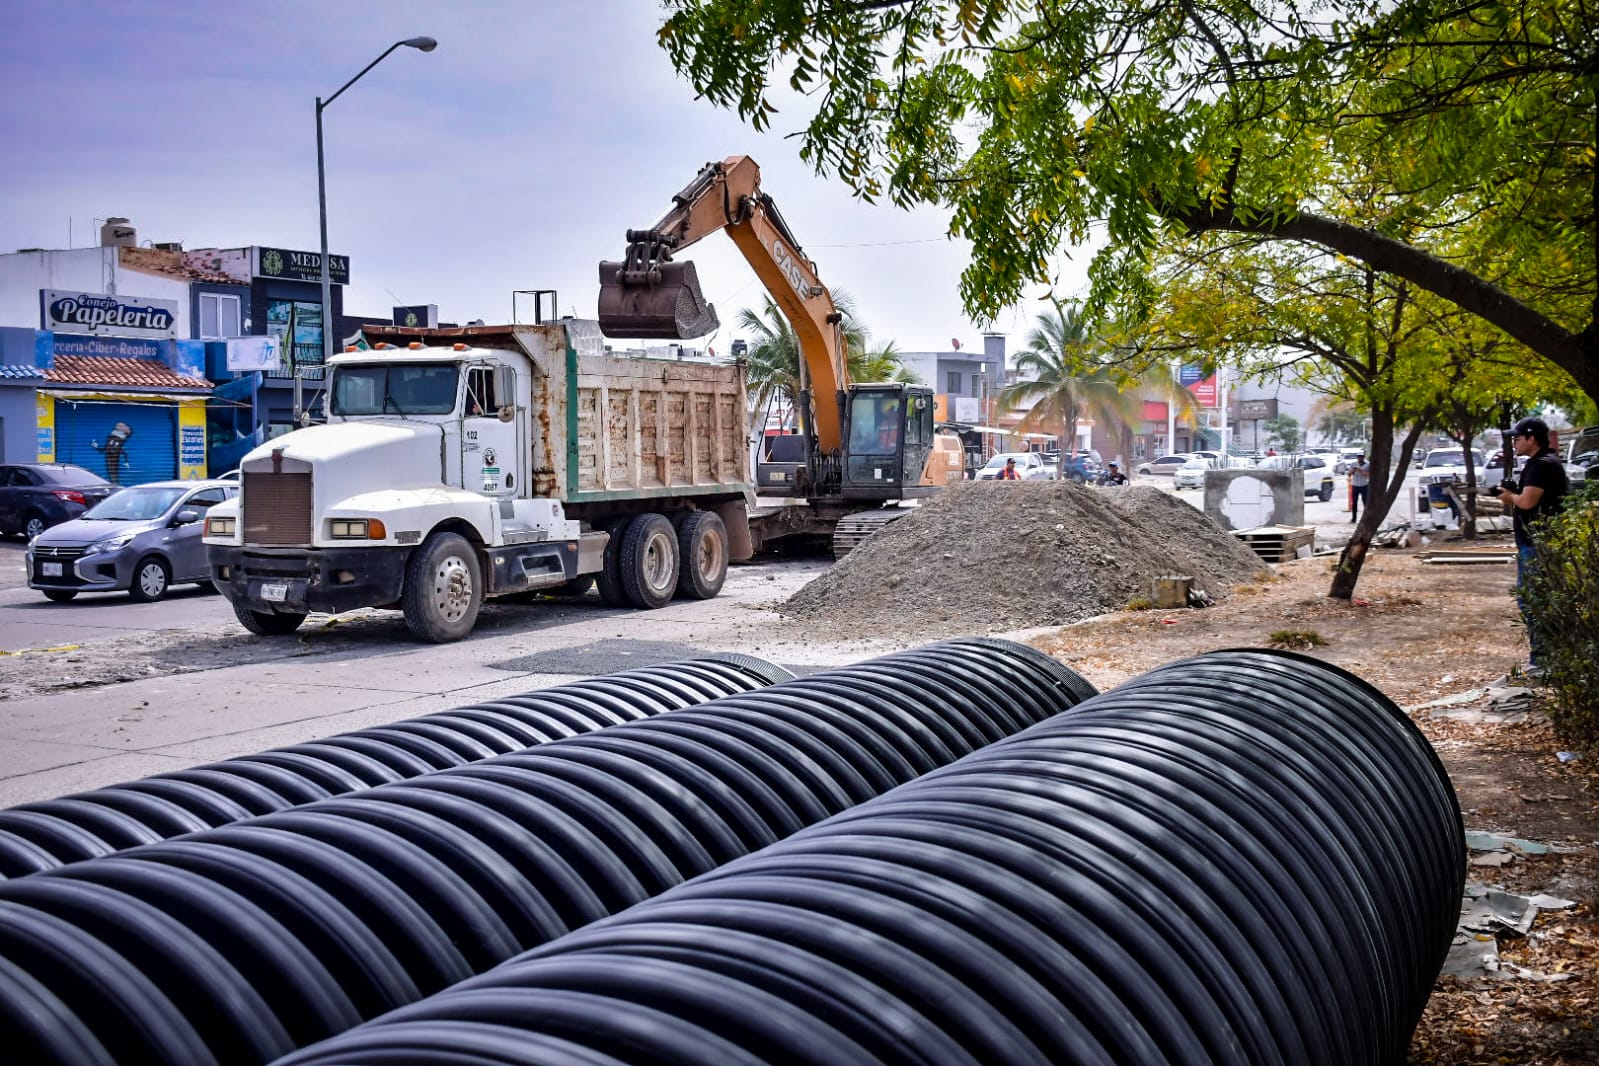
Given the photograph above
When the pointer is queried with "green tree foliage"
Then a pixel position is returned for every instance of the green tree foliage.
(1284, 434)
(1563, 598)
(1341, 422)
(1037, 123)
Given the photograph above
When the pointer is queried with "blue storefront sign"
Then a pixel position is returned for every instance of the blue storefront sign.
(119, 347)
(1191, 375)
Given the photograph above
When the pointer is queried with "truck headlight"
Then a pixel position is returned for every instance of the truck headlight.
(219, 527)
(358, 529)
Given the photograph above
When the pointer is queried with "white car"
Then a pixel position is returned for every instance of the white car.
(1446, 465)
(1166, 464)
(1030, 465)
(1191, 475)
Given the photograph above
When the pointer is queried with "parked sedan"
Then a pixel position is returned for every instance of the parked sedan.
(142, 540)
(36, 496)
(1166, 464)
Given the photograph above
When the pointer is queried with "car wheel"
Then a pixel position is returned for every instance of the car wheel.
(60, 595)
(1142, 470)
(648, 563)
(267, 623)
(443, 589)
(151, 577)
(701, 555)
(1326, 492)
(609, 579)
(33, 525)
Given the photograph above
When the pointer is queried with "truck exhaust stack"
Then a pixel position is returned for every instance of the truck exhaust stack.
(666, 304)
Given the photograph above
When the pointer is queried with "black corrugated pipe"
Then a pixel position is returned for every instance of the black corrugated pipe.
(240, 943)
(50, 833)
(1247, 857)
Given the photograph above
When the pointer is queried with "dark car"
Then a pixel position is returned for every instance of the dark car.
(143, 540)
(36, 496)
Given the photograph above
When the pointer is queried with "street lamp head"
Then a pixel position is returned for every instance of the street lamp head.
(423, 44)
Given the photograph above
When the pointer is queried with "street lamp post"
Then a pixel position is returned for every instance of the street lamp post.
(421, 44)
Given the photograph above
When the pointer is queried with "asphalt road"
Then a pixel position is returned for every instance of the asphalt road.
(197, 687)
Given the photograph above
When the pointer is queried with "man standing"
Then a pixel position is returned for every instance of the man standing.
(1010, 473)
(1359, 487)
(1543, 491)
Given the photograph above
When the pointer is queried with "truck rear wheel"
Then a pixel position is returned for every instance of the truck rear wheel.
(267, 623)
(701, 555)
(609, 579)
(648, 563)
(443, 589)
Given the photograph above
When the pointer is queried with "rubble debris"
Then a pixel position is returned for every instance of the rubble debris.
(1028, 554)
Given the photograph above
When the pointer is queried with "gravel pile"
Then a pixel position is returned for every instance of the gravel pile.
(991, 556)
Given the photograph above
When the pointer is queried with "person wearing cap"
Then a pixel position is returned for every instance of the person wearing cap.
(1542, 492)
(1010, 473)
(1359, 486)
(1114, 476)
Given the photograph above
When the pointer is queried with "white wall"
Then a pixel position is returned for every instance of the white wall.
(95, 270)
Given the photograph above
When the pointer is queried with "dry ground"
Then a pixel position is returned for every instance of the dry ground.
(1421, 632)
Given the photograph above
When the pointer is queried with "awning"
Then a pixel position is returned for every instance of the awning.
(1038, 436)
(987, 429)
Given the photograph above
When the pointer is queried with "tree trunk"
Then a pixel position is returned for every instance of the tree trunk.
(1378, 503)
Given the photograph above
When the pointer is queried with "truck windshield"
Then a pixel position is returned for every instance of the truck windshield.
(395, 389)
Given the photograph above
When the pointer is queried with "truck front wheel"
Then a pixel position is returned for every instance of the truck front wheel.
(267, 623)
(649, 563)
(701, 555)
(443, 589)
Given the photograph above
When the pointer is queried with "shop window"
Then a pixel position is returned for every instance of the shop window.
(219, 316)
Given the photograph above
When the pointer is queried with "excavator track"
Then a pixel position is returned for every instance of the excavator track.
(853, 529)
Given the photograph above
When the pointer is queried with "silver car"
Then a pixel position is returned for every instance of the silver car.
(142, 540)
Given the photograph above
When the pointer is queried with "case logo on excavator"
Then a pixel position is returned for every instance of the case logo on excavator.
(789, 265)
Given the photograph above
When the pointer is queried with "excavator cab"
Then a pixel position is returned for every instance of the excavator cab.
(889, 433)
(649, 296)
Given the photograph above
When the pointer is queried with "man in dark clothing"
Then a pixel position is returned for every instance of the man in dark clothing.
(1542, 493)
(1114, 476)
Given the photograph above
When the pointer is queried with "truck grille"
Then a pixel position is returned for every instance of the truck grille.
(277, 509)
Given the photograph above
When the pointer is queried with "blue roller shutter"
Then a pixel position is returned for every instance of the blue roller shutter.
(150, 452)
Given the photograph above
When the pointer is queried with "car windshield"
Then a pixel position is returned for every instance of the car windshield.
(999, 460)
(139, 504)
(394, 388)
(70, 475)
(1450, 458)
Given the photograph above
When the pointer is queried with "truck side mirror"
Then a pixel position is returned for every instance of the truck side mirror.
(504, 388)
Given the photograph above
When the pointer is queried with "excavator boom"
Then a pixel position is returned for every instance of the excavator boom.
(647, 295)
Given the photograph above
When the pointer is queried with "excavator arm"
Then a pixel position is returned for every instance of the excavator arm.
(648, 295)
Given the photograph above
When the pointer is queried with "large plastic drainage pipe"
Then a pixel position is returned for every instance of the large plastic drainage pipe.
(1247, 857)
(241, 943)
(49, 833)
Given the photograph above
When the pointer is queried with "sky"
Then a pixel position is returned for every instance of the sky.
(515, 156)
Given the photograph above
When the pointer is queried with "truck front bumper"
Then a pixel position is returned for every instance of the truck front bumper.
(302, 580)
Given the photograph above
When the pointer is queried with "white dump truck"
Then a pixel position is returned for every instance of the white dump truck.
(488, 462)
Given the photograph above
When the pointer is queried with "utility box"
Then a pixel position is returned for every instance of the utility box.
(1251, 497)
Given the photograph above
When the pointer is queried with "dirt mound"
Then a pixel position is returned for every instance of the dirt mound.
(993, 556)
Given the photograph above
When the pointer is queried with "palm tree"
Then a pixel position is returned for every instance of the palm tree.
(773, 358)
(1066, 378)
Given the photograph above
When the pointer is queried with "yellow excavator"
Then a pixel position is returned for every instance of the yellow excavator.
(858, 447)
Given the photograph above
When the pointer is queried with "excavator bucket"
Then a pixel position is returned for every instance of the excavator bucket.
(669, 308)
